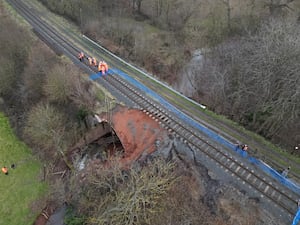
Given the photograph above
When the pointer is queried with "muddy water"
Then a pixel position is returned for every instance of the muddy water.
(185, 84)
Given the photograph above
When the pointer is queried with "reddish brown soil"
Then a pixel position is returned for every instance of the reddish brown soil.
(137, 132)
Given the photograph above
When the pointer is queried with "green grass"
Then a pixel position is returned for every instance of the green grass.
(22, 185)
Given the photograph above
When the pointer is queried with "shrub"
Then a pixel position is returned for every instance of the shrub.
(112, 195)
(45, 126)
(58, 84)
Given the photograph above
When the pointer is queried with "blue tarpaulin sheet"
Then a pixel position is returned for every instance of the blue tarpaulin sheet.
(296, 218)
(99, 74)
(95, 76)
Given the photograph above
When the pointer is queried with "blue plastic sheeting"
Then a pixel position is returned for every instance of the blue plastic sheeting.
(243, 153)
(288, 183)
(296, 218)
(273, 173)
(95, 76)
(99, 74)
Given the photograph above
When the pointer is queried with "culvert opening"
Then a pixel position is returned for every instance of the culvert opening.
(128, 133)
(98, 144)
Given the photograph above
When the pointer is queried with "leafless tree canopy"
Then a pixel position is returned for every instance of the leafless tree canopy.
(45, 126)
(257, 79)
(14, 49)
(39, 62)
(114, 195)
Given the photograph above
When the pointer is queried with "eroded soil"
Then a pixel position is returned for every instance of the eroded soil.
(137, 132)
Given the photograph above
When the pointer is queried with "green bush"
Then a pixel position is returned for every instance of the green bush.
(45, 126)
(58, 85)
(71, 218)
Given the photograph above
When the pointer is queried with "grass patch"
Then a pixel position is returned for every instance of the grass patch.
(22, 185)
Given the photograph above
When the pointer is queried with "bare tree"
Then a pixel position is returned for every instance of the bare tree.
(45, 126)
(179, 13)
(7, 75)
(40, 60)
(14, 50)
(136, 5)
(158, 8)
(82, 93)
(64, 83)
(228, 9)
(112, 195)
(58, 83)
(276, 7)
(257, 78)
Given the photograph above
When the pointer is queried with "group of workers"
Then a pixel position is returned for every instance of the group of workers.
(102, 65)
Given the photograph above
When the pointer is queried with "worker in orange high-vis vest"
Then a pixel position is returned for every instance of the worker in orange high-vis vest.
(81, 56)
(102, 67)
(105, 66)
(90, 61)
(4, 170)
(95, 61)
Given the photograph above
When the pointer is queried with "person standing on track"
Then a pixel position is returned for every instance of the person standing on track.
(81, 56)
(94, 60)
(285, 172)
(90, 61)
(102, 67)
(245, 147)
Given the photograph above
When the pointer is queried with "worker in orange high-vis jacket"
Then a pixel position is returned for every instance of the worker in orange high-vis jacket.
(105, 66)
(81, 56)
(90, 61)
(102, 67)
(4, 170)
(94, 61)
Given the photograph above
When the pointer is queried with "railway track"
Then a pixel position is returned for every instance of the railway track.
(190, 135)
(273, 156)
(198, 142)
